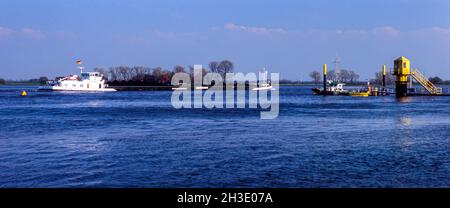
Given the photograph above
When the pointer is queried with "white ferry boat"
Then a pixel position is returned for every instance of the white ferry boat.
(89, 81)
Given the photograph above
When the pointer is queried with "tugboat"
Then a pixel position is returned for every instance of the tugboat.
(334, 88)
(330, 87)
(89, 81)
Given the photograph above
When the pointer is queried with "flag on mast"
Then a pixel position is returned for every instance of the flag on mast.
(79, 62)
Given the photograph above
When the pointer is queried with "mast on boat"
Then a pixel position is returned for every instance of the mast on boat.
(80, 66)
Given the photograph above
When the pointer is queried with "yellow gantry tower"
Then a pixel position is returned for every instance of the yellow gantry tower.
(402, 70)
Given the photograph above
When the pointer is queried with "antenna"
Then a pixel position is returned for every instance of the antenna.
(336, 62)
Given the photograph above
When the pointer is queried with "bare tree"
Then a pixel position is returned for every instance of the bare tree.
(315, 76)
(344, 75)
(138, 73)
(157, 73)
(436, 80)
(113, 74)
(124, 72)
(331, 75)
(165, 77)
(390, 79)
(225, 67)
(116, 74)
(353, 76)
(179, 69)
(205, 71)
(213, 65)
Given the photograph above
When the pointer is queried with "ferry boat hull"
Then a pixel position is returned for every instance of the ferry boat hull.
(318, 91)
(88, 82)
(55, 88)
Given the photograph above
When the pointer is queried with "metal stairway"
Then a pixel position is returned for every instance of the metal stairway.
(422, 80)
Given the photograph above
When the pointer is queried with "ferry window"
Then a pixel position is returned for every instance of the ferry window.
(100, 86)
(74, 85)
(66, 85)
(87, 85)
(81, 85)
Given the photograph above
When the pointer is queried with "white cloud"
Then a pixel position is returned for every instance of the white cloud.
(386, 31)
(383, 32)
(5, 32)
(441, 31)
(24, 33)
(351, 32)
(33, 33)
(256, 30)
(432, 33)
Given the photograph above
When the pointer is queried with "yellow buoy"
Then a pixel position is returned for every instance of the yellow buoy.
(23, 93)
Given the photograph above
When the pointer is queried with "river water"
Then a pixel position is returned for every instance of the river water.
(137, 139)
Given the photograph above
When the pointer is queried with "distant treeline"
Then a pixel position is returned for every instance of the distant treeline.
(39, 81)
(140, 75)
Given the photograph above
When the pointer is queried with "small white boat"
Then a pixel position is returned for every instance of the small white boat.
(202, 88)
(179, 88)
(88, 82)
(265, 84)
(264, 87)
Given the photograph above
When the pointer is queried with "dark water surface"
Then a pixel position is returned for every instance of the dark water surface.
(137, 139)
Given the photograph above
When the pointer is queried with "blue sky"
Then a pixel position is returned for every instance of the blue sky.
(45, 37)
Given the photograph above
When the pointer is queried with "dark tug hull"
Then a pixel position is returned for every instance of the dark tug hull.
(317, 91)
